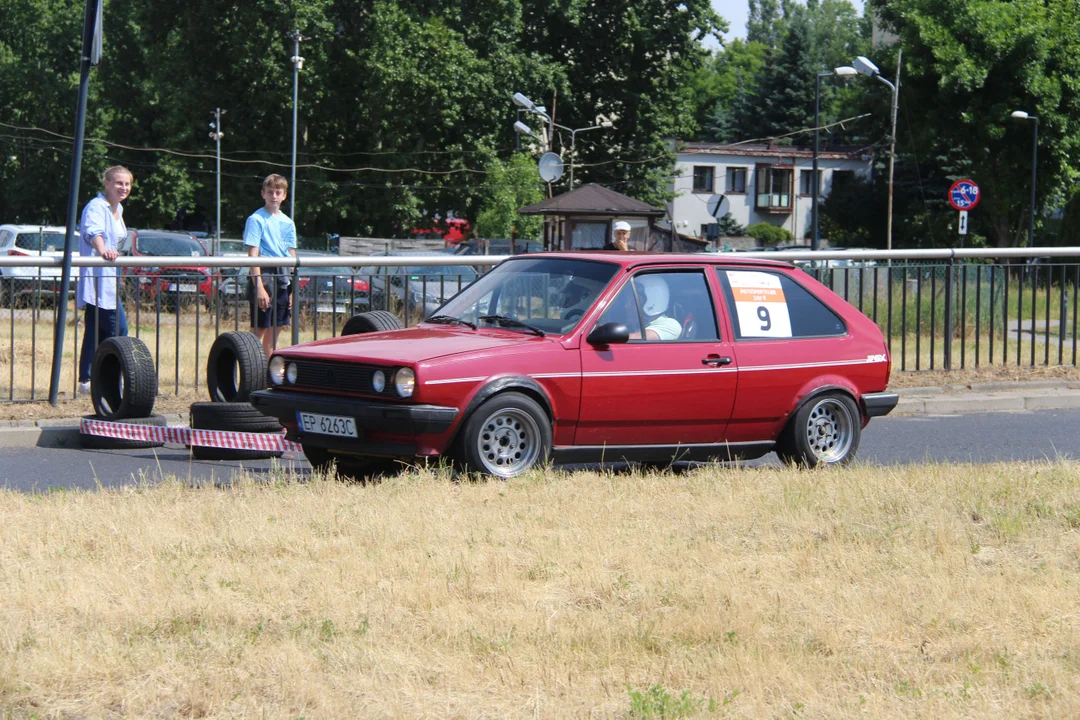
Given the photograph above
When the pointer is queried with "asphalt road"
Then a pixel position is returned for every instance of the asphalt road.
(982, 438)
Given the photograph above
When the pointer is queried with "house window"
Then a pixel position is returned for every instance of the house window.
(703, 178)
(773, 188)
(736, 180)
(806, 183)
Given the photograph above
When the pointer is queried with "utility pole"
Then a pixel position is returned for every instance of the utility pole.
(892, 147)
(298, 64)
(216, 133)
(91, 55)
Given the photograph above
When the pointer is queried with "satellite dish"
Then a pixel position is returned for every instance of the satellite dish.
(719, 206)
(551, 167)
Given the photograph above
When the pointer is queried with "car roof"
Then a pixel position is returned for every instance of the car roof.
(32, 228)
(637, 259)
(165, 233)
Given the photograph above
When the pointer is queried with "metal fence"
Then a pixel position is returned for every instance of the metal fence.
(939, 309)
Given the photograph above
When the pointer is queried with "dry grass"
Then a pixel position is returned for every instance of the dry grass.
(925, 591)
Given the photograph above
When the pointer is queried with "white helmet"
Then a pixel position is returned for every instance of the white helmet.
(656, 294)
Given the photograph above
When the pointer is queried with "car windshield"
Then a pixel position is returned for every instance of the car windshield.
(169, 245)
(551, 294)
(47, 241)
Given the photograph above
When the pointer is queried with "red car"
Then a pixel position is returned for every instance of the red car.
(596, 357)
(183, 283)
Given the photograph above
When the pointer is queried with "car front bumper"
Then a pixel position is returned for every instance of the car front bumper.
(878, 404)
(373, 419)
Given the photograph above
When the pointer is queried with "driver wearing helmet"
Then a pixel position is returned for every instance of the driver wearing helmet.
(654, 298)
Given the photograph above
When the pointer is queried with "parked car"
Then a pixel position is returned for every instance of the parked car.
(186, 284)
(415, 288)
(21, 285)
(512, 373)
(332, 289)
(337, 289)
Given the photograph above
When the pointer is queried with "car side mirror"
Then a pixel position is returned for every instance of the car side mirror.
(609, 333)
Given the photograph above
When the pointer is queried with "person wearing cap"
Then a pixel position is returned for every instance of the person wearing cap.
(621, 242)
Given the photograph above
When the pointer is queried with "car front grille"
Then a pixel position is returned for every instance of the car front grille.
(318, 375)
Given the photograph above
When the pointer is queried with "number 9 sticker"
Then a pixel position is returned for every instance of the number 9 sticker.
(760, 304)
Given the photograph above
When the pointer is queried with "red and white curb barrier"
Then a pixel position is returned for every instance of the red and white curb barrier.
(270, 442)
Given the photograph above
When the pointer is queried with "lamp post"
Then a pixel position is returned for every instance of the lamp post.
(216, 133)
(844, 71)
(863, 65)
(1021, 115)
(298, 64)
(529, 106)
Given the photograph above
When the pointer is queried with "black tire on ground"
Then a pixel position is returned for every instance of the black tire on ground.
(823, 431)
(100, 442)
(373, 321)
(506, 436)
(231, 417)
(236, 367)
(123, 381)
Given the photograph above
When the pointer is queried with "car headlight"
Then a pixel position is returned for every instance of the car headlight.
(405, 382)
(378, 381)
(290, 373)
(276, 370)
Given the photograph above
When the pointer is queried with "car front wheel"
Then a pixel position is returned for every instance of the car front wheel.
(506, 436)
(824, 431)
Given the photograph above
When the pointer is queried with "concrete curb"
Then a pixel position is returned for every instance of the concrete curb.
(55, 432)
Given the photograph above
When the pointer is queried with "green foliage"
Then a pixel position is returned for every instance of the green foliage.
(510, 185)
(967, 65)
(657, 702)
(728, 225)
(768, 234)
(401, 105)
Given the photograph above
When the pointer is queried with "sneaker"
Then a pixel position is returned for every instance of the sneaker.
(84, 388)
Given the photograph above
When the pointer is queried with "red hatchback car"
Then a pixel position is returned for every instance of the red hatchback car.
(596, 357)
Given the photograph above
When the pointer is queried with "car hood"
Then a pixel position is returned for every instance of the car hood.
(412, 345)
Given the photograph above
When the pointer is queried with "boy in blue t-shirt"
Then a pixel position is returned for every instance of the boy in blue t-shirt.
(270, 233)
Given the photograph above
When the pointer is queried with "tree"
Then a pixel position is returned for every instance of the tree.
(508, 186)
(787, 87)
(967, 65)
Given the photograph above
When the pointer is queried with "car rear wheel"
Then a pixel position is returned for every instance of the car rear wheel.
(506, 436)
(824, 431)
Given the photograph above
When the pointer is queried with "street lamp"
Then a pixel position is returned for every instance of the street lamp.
(844, 71)
(1021, 115)
(298, 64)
(864, 66)
(531, 107)
(216, 133)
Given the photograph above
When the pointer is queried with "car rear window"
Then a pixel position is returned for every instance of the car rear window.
(165, 245)
(48, 241)
(770, 305)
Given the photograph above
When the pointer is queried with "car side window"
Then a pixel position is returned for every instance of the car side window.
(670, 306)
(771, 305)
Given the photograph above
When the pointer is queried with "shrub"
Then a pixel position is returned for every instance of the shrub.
(768, 234)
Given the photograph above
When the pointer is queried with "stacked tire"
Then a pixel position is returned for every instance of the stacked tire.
(235, 369)
(123, 387)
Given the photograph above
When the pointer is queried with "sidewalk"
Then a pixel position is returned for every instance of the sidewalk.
(1021, 396)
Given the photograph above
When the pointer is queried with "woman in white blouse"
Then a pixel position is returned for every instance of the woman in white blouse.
(101, 229)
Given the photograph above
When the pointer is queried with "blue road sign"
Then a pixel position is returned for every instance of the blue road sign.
(964, 195)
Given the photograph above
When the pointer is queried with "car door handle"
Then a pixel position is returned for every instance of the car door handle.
(716, 361)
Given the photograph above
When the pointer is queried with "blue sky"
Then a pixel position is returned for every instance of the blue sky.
(735, 12)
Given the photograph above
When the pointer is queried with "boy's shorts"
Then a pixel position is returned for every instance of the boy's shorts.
(278, 313)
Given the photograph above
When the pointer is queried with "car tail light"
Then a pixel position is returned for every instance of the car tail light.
(18, 253)
(360, 285)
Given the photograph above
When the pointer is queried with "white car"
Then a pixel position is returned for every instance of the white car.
(21, 285)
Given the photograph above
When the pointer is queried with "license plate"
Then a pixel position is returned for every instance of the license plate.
(183, 287)
(327, 424)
